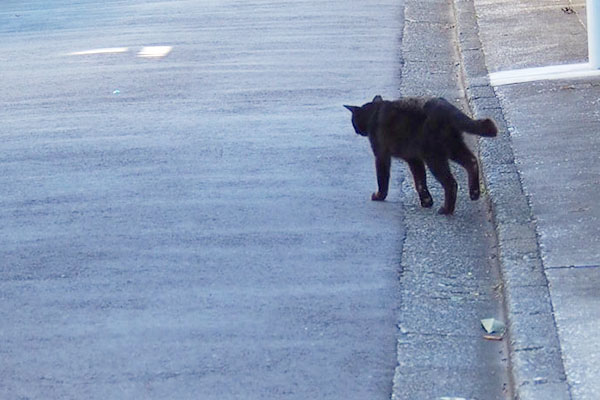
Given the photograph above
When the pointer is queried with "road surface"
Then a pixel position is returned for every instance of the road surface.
(185, 207)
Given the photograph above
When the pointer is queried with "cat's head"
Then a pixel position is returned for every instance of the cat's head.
(362, 115)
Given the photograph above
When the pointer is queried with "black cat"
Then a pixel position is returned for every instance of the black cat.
(421, 131)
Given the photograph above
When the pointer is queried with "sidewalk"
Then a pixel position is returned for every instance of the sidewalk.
(542, 175)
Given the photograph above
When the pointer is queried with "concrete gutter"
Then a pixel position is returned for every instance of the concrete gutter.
(535, 354)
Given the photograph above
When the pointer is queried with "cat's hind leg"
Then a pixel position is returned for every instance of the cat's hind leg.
(439, 167)
(417, 167)
(463, 156)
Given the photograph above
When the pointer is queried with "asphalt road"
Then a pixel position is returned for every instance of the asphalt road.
(185, 208)
(196, 224)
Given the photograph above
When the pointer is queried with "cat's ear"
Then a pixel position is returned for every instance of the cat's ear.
(377, 99)
(352, 109)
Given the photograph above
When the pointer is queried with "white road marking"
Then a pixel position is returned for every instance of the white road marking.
(154, 51)
(108, 50)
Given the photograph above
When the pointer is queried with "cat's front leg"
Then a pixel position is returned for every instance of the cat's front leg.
(382, 166)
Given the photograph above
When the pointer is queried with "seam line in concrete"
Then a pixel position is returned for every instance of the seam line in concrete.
(572, 267)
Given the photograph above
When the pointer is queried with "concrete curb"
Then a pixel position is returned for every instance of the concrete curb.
(535, 354)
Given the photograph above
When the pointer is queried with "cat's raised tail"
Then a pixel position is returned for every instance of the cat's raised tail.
(481, 127)
(441, 108)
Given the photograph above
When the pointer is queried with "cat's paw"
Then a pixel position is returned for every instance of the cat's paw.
(377, 196)
(426, 201)
(445, 211)
(474, 194)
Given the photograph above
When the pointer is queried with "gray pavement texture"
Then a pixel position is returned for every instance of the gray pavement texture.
(542, 175)
(155, 243)
(198, 225)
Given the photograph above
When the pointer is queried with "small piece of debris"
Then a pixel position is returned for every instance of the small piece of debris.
(492, 325)
(493, 337)
(568, 10)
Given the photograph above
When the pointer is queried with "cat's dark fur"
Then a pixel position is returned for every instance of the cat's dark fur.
(421, 131)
